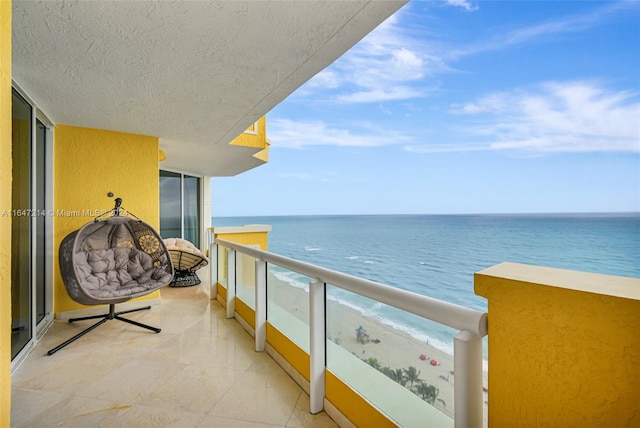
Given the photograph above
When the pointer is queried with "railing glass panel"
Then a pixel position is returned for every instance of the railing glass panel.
(288, 304)
(246, 279)
(386, 365)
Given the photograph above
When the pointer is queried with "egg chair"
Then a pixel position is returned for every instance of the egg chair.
(111, 260)
(187, 259)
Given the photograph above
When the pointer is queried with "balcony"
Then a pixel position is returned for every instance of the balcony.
(564, 345)
(201, 370)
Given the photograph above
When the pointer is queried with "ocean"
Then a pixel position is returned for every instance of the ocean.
(437, 255)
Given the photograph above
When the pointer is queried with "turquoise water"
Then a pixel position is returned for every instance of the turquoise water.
(436, 255)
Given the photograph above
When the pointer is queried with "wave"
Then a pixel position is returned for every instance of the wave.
(291, 278)
(312, 248)
(415, 333)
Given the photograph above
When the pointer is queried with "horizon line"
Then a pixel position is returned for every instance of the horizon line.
(440, 214)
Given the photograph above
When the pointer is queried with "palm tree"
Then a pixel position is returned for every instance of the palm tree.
(386, 370)
(398, 376)
(412, 374)
(373, 362)
(429, 393)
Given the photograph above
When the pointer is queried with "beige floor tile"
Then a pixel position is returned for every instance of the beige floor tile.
(260, 397)
(130, 382)
(302, 418)
(211, 421)
(72, 373)
(195, 389)
(201, 370)
(78, 412)
(28, 403)
(145, 416)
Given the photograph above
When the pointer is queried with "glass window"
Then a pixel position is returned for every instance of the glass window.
(180, 206)
(21, 330)
(170, 209)
(191, 202)
(40, 225)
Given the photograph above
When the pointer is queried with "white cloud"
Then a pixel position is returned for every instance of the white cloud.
(392, 63)
(574, 116)
(446, 148)
(380, 94)
(388, 64)
(465, 4)
(327, 78)
(564, 24)
(286, 133)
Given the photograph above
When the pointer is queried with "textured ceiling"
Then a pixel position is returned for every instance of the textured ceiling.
(196, 73)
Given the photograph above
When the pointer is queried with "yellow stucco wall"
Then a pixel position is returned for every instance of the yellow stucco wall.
(247, 238)
(5, 203)
(358, 410)
(90, 163)
(291, 352)
(253, 138)
(564, 347)
(245, 312)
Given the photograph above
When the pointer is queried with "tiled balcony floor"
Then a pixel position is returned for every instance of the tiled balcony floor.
(200, 371)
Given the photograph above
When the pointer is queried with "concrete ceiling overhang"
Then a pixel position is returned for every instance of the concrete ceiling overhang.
(195, 73)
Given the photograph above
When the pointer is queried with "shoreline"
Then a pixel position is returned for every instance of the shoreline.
(389, 346)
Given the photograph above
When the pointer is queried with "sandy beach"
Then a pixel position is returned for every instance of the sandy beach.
(391, 347)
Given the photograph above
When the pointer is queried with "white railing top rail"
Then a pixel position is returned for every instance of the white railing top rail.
(455, 316)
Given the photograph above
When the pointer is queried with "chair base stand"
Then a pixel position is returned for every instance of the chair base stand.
(110, 316)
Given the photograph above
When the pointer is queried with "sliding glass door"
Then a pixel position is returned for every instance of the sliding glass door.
(180, 206)
(31, 290)
(21, 313)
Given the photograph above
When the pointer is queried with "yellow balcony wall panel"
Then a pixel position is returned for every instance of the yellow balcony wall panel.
(90, 163)
(289, 350)
(5, 204)
(222, 292)
(245, 312)
(358, 410)
(247, 238)
(563, 347)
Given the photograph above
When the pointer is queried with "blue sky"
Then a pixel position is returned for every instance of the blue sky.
(461, 106)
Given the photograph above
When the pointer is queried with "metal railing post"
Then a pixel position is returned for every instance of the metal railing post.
(213, 270)
(467, 365)
(261, 304)
(317, 342)
(231, 282)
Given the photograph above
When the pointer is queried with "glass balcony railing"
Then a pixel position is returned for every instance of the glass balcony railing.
(288, 304)
(388, 367)
(325, 314)
(246, 279)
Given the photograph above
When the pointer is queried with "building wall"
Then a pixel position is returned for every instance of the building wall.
(90, 163)
(5, 204)
(563, 347)
(254, 136)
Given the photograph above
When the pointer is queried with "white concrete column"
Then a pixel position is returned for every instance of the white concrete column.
(231, 282)
(205, 211)
(467, 365)
(317, 339)
(261, 304)
(213, 270)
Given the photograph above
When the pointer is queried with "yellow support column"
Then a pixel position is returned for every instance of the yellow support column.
(564, 347)
(5, 221)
